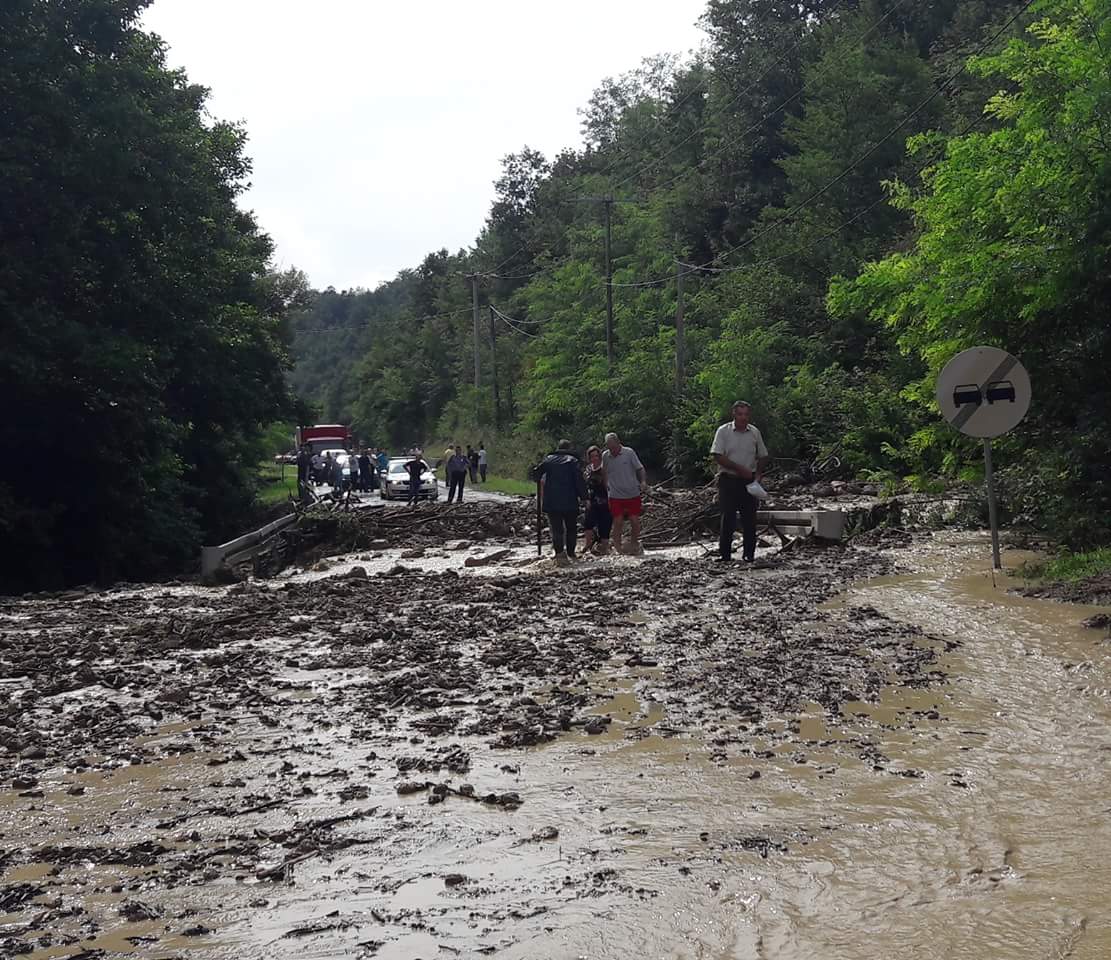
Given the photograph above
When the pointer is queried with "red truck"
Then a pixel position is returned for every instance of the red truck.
(325, 436)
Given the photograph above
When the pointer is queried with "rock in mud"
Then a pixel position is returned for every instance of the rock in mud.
(487, 559)
(134, 911)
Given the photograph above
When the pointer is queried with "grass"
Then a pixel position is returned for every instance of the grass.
(496, 484)
(511, 485)
(272, 488)
(1069, 566)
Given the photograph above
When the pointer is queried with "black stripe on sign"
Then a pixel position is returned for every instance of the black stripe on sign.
(965, 413)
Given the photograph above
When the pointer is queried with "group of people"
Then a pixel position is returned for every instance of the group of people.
(459, 465)
(613, 483)
(341, 471)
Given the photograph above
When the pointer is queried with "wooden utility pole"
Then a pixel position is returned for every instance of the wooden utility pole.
(474, 307)
(607, 205)
(680, 330)
(494, 368)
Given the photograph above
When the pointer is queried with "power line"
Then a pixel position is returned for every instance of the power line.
(821, 191)
(508, 321)
(763, 119)
(530, 323)
(798, 251)
(364, 325)
(779, 62)
(701, 87)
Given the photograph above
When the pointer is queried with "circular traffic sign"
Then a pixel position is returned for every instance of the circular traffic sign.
(983, 392)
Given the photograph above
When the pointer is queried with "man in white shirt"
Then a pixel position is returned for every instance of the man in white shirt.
(741, 456)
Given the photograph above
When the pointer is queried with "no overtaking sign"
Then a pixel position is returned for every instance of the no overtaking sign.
(983, 392)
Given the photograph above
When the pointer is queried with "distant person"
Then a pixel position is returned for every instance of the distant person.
(482, 460)
(625, 480)
(319, 466)
(304, 465)
(364, 471)
(740, 453)
(338, 482)
(472, 463)
(414, 467)
(598, 521)
(562, 487)
(383, 461)
(449, 452)
(457, 474)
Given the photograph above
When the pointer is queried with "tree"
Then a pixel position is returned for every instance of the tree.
(143, 333)
(1013, 250)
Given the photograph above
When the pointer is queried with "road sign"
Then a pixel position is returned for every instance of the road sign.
(983, 392)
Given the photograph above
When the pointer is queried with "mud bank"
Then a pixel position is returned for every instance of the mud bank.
(660, 756)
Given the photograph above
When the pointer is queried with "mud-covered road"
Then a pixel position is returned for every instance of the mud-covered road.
(863, 751)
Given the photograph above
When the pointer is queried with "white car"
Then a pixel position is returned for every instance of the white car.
(348, 461)
(395, 484)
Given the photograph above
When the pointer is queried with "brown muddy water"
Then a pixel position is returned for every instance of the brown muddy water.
(915, 767)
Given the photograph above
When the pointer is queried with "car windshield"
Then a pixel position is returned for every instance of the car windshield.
(397, 467)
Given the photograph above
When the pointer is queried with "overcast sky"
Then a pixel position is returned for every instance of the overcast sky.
(377, 128)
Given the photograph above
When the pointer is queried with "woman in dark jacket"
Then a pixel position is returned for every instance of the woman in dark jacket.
(598, 521)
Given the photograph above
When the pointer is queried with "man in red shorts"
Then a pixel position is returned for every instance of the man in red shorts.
(624, 476)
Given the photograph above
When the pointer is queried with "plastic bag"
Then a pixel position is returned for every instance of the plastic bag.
(756, 489)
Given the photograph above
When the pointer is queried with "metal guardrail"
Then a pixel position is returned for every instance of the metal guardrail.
(212, 558)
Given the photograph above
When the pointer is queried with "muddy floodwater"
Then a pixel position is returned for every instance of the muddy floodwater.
(871, 751)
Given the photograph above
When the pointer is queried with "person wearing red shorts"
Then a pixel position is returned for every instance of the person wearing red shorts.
(624, 477)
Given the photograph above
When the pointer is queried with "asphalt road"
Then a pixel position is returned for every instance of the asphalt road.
(475, 494)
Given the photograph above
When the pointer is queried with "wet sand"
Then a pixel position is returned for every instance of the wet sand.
(668, 759)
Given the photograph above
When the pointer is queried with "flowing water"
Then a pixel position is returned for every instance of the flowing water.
(643, 841)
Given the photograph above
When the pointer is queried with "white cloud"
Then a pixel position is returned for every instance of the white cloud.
(377, 129)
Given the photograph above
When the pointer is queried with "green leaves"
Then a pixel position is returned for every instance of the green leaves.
(143, 340)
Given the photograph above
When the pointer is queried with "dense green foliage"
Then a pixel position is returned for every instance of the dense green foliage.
(867, 188)
(143, 333)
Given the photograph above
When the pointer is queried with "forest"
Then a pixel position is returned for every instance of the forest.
(145, 330)
(814, 212)
(844, 195)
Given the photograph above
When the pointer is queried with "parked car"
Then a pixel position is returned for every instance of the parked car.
(395, 484)
(348, 461)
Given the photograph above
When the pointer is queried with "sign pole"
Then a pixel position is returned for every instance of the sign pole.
(993, 517)
(984, 392)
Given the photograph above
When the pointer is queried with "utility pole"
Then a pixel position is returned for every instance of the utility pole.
(680, 330)
(607, 205)
(474, 307)
(473, 277)
(494, 368)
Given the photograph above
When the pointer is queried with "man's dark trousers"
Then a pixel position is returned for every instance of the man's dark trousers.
(733, 497)
(457, 479)
(565, 532)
